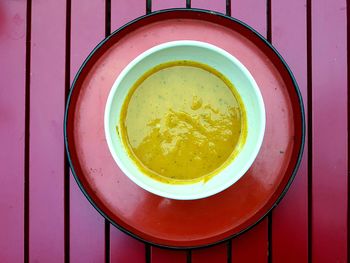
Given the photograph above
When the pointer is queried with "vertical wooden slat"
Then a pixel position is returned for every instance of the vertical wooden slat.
(66, 180)
(215, 254)
(251, 246)
(329, 131)
(12, 128)
(123, 12)
(161, 4)
(47, 97)
(252, 12)
(290, 218)
(348, 114)
(159, 255)
(86, 224)
(124, 248)
(218, 5)
(87, 30)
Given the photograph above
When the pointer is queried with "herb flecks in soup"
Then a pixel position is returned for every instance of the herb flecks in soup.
(182, 122)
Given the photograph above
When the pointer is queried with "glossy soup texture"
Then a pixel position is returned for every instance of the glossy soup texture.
(182, 122)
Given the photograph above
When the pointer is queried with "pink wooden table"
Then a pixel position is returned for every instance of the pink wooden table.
(46, 218)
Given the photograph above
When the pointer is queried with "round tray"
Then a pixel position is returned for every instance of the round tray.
(172, 223)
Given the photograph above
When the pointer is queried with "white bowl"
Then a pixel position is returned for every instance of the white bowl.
(218, 59)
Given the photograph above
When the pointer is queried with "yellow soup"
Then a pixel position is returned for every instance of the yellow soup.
(182, 122)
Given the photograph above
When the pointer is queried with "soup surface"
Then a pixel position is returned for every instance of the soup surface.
(182, 122)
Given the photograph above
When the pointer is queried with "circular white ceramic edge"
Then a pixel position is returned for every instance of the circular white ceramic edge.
(227, 65)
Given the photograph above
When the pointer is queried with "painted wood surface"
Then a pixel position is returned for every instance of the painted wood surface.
(329, 131)
(311, 222)
(13, 17)
(46, 153)
(86, 226)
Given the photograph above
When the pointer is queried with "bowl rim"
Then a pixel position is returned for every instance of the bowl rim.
(224, 184)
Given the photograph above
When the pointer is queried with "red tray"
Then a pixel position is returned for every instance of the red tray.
(171, 223)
